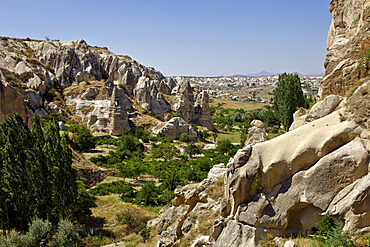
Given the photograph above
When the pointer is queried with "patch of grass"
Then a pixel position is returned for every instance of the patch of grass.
(231, 104)
(234, 137)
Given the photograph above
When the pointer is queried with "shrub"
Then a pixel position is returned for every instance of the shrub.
(18, 59)
(186, 138)
(85, 140)
(66, 235)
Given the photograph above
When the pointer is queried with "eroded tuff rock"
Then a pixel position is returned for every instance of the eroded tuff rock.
(197, 206)
(284, 185)
(348, 39)
(174, 128)
(44, 65)
(322, 108)
(11, 101)
(193, 107)
(102, 109)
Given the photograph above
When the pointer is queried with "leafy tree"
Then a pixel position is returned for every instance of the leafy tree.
(129, 146)
(84, 139)
(287, 97)
(131, 168)
(165, 150)
(147, 194)
(192, 149)
(224, 146)
(186, 138)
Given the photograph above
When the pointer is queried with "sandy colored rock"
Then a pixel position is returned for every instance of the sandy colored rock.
(174, 128)
(348, 39)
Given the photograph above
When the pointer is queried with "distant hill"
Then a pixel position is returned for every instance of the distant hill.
(262, 73)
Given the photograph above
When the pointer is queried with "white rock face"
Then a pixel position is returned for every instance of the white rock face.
(174, 128)
(107, 115)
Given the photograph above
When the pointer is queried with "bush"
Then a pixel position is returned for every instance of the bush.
(66, 235)
(84, 139)
(133, 220)
(186, 138)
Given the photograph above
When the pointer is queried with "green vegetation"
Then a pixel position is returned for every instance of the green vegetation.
(36, 177)
(288, 97)
(83, 140)
(364, 59)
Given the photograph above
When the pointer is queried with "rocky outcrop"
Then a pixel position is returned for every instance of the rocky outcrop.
(348, 40)
(174, 128)
(193, 107)
(322, 108)
(197, 205)
(11, 101)
(256, 133)
(103, 109)
(41, 67)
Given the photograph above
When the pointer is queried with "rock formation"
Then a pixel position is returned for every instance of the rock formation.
(194, 213)
(174, 128)
(348, 40)
(283, 186)
(11, 101)
(37, 68)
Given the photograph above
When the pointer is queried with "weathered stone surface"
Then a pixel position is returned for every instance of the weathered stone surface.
(236, 234)
(11, 101)
(299, 118)
(174, 128)
(192, 108)
(324, 107)
(256, 133)
(194, 206)
(108, 114)
(296, 205)
(274, 161)
(348, 39)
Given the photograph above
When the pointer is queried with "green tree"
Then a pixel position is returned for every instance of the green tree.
(36, 178)
(224, 146)
(147, 194)
(165, 150)
(288, 96)
(84, 139)
(129, 146)
(192, 149)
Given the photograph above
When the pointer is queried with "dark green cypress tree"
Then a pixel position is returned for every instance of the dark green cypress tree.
(16, 173)
(36, 177)
(288, 96)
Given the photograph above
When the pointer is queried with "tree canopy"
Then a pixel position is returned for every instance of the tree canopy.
(288, 96)
(36, 178)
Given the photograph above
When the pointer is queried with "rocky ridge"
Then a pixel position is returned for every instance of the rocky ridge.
(121, 85)
(285, 185)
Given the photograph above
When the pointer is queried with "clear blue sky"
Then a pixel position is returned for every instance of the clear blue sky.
(178, 37)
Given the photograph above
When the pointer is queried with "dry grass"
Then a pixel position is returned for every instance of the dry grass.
(108, 207)
(81, 87)
(231, 104)
(216, 191)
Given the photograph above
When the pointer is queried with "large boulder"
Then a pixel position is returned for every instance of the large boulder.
(174, 128)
